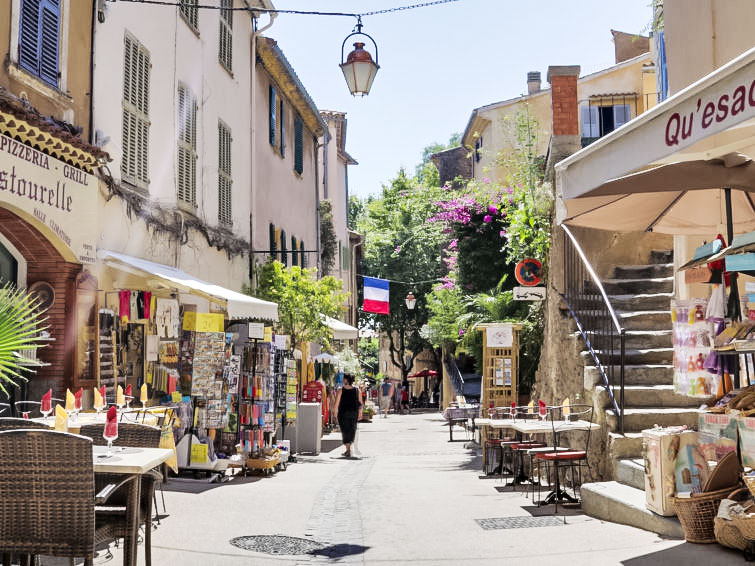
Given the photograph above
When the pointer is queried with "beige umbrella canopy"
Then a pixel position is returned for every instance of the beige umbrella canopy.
(680, 198)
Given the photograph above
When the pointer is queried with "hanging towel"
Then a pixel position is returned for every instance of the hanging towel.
(124, 305)
(147, 304)
(132, 305)
(140, 305)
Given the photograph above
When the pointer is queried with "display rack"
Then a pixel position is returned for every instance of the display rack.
(108, 372)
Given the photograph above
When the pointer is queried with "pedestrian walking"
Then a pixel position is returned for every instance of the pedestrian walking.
(405, 401)
(386, 395)
(349, 409)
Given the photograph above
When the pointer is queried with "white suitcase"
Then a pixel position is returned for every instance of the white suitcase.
(660, 447)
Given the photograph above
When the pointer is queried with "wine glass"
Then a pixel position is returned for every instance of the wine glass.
(542, 412)
(129, 398)
(110, 433)
(45, 407)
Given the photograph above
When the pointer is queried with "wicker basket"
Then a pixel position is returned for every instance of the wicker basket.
(749, 482)
(727, 533)
(696, 514)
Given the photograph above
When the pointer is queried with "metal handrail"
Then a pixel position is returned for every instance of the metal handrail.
(457, 381)
(597, 323)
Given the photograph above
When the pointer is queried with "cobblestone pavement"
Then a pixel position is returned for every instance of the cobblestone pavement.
(412, 498)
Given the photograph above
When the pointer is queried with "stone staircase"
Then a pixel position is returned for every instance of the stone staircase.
(641, 296)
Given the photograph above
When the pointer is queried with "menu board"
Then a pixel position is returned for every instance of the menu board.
(291, 387)
(209, 354)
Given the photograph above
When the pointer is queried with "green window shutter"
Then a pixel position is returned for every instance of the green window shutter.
(271, 114)
(272, 241)
(345, 258)
(225, 215)
(298, 146)
(302, 254)
(294, 251)
(282, 120)
(284, 255)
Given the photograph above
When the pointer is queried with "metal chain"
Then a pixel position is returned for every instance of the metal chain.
(402, 8)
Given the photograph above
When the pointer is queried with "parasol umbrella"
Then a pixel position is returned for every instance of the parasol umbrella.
(424, 373)
(326, 359)
(688, 197)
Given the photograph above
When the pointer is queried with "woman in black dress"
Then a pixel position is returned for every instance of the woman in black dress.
(349, 411)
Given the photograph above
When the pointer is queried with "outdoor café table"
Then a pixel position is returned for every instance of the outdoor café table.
(75, 423)
(544, 427)
(459, 414)
(131, 462)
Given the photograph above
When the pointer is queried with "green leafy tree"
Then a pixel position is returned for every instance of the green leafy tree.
(426, 172)
(302, 300)
(368, 355)
(328, 238)
(402, 246)
(20, 325)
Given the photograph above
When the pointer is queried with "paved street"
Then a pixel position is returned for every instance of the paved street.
(413, 497)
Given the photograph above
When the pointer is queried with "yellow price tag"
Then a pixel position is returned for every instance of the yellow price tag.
(199, 453)
(176, 397)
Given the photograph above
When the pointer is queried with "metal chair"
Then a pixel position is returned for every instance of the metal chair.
(48, 496)
(135, 436)
(6, 409)
(27, 409)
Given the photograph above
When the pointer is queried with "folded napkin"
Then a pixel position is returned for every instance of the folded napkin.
(542, 409)
(143, 393)
(77, 398)
(98, 399)
(103, 392)
(61, 419)
(128, 391)
(513, 408)
(70, 401)
(46, 404)
(111, 427)
(119, 398)
(531, 407)
(565, 409)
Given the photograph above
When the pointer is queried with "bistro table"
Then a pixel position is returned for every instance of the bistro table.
(460, 414)
(75, 423)
(131, 462)
(544, 427)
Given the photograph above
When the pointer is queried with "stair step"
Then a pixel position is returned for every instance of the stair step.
(661, 256)
(619, 503)
(631, 472)
(642, 374)
(641, 301)
(628, 445)
(648, 271)
(639, 286)
(643, 320)
(639, 419)
(656, 396)
(654, 356)
(639, 339)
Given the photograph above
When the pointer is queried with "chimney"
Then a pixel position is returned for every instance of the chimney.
(533, 82)
(563, 80)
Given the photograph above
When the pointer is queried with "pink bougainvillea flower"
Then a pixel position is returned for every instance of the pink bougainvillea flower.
(493, 209)
(487, 219)
(398, 249)
(452, 244)
(461, 332)
(502, 233)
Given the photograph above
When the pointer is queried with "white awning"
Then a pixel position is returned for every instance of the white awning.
(341, 330)
(710, 118)
(238, 305)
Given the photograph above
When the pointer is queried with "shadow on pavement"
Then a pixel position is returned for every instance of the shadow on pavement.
(339, 550)
(688, 553)
(186, 485)
(546, 510)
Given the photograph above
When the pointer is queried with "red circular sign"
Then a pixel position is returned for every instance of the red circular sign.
(528, 272)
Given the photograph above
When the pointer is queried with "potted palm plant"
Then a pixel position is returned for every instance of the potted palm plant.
(20, 325)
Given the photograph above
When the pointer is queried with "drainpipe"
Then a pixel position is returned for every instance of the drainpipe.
(95, 11)
(252, 122)
(317, 146)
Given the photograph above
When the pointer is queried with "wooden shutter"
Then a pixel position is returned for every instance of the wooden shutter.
(590, 122)
(284, 250)
(621, 115)
(190, 12)
(294, 251)
(135, 135)
(345, 258)
(187, 144)
(39, 39)
(282, 119)
(272, 241)
(271, 114)
(225, 215)
(225, 52)
(303, 255)
(298, 146)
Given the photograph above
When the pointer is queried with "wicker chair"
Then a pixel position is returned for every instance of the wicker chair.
(47, 496)
(135, 436)
(10, 423)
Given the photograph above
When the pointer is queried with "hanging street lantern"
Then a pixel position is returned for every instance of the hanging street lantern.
(411, 301)
(359, 68)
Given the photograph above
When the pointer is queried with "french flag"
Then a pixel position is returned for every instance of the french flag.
(375, 295)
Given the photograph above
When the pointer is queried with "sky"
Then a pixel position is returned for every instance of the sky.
(439, 63)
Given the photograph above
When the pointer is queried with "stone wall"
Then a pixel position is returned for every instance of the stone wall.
(452, 163)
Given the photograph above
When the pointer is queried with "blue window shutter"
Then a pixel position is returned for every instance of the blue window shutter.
(49, 40)
(271, 114)
(28, 36)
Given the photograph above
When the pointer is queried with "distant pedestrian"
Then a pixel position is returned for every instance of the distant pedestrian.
(386, 395)
(405, 400)
(349, 409)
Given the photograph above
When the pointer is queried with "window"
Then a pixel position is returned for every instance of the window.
(294, 251)
(135, 136)
(190, 13)
(282, 118)
(187, 146)
(298, 146)
(38, 39)
(345, 258)
(8, 267)
(284, 254)
(224, 175)
(271, 115)
(599, 120)
(478, 149)
(273, 246)
(225, 52)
